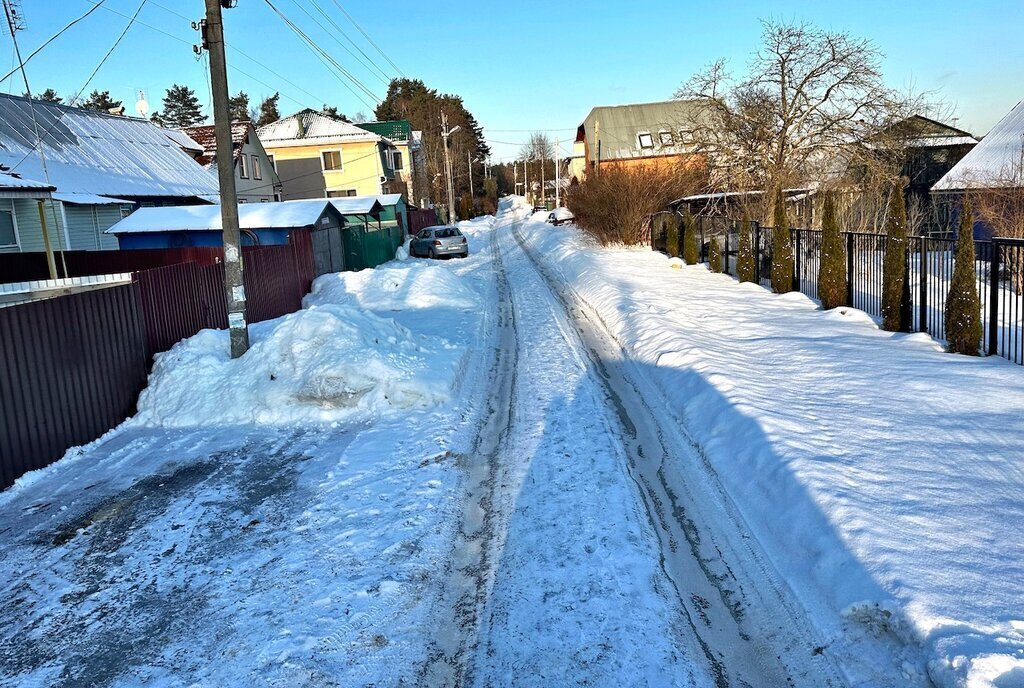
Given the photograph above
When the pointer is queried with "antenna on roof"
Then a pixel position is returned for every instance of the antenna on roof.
(141, 104)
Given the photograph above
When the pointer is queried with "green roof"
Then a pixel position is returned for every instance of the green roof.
(396, 130)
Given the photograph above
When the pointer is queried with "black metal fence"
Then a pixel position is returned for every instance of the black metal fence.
(999, 267)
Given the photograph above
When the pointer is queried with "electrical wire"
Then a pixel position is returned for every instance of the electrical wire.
(72, 101)
(54, 37)
(367, 36)
(378, 74)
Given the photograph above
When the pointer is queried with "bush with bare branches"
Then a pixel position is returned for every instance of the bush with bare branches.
(614, 205)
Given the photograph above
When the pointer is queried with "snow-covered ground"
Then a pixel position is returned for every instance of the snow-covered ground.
(882, 477)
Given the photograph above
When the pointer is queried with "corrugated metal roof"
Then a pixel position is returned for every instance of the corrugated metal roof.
(994, 161)
(88, 199)
(92, 152)
(621, 126)
(204, 218)
(357, 205)
(206, 136)
(311, 127)
(15, 181)
(389, 199)
(183, 140)
(395, 130)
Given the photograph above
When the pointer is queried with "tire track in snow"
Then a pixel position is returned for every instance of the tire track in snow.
(752, 632)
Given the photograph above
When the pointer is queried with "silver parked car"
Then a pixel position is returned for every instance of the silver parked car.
(434, 242)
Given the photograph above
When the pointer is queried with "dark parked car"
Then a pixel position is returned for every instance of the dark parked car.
(560, 216)
(434, 242)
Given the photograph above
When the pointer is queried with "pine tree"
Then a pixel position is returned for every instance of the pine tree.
(832, 270)
(745, 269)
(181, 107)
(963, 307)
(50, 96)
(691, 250)
(714, 255)
(894, 267)
(268, 110)
(238, 106)
(782, 249)
(101, 100)
(670, 227)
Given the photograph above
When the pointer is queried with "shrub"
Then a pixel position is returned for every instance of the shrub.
(782, 249)
(714, 255)
(894, 266)
(745, 270)
(691, 251)
(832, 270)
(612, 206)
(670, 226)
(963, 307)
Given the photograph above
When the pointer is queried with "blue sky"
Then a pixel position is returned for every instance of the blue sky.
(519, 66)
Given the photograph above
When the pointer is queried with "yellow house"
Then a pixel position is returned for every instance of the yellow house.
(320, 156)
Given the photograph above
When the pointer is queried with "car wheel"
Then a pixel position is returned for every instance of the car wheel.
(432, 255)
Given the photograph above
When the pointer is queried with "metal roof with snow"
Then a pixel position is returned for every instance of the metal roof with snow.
(998, 161)
(206, 136)
(89, 152)
(357, 205)
(206, 218)
(622, 125)
(16, 186)
(309, 127)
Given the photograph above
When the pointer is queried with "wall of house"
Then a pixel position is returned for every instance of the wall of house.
(362, 168)
(26, 218)
(253, 188)
(86, 224)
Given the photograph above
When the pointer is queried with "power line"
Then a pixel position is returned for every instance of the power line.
(371, 66)
(54, 37)
(367, 36)
(325, 57)
(78, 95)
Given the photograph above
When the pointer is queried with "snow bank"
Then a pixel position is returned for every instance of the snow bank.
(317, 365)
(882, 477)
(397, 286)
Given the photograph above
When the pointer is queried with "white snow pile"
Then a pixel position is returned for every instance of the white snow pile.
(334, 359)
(883, 477)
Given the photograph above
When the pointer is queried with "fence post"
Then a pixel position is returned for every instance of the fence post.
(906, 309)
(725, 261)
(993, 300)
(849, 269)
(757, 253)
(923, 274)
(797, 275)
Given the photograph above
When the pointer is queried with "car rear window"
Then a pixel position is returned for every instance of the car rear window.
(447, 233)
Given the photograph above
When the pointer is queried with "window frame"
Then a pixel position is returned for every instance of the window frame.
(14, 225)
(341, 193)
(396, 155)
(257, 169)
(272, 161)
(243, 167)
(341, 161)
(640, 140)
(671, 138)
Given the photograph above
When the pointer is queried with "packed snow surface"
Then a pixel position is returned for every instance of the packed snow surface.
(883, 477)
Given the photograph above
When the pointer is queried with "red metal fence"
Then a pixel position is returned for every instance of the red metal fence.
(420, 219)
(72, 367)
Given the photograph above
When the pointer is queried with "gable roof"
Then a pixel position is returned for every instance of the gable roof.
(357, 205)
(918, 131)
(206, 136)
(206, 218)
(620, 126)
(309, 127)
(996, 162)
(89, 152)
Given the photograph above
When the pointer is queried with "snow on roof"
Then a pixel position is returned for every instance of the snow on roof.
(206, 136)
(16, 181)
(200, 218)
(993, 162)
(357, 205)
(184, 141)
(310, 126)
(389, 199)
(621, 126)
(96, 153)
(87, 199)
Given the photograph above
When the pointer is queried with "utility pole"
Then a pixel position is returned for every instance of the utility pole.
(597, 143)
(234, 281)
(558, 177)
(445, 133)
(543, 189)
(515, 171)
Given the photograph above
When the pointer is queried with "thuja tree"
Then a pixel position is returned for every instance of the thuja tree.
(832, 271)
(894, 266)
(745, 258)
(670, 226)
(782, 249)
(963, 307)
(691, 251)
(714, 255)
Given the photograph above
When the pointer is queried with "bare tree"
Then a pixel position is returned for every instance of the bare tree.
(808, 94)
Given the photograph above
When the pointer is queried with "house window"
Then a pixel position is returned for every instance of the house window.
(396, 160)
(257, 173)
(126, 210)
(646, 140)
(344, 193)
(242, 200)
(243, 167)
(331, 160)
(273, 163)
(666, 138)
(8, 228)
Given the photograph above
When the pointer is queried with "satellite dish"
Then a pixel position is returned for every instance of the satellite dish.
(142, 105)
